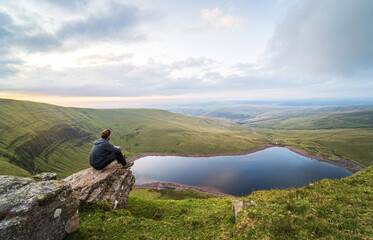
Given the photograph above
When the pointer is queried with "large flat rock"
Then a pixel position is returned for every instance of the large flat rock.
(37, 210)
(112, 184)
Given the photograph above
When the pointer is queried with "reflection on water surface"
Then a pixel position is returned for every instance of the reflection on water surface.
(271, 168)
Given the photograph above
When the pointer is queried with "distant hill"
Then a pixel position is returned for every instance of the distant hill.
(38, 137)
(331, 131)
(267, 112)
(352, 119)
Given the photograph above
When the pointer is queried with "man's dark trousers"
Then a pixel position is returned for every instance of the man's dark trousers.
(109, 159)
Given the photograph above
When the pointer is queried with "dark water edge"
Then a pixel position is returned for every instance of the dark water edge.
(271, 168)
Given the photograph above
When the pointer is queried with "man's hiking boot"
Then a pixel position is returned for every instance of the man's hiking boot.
(128, 165)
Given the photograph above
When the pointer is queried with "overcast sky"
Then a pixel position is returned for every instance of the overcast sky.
(134, 53)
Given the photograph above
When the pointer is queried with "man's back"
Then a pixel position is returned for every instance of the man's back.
(101, 150)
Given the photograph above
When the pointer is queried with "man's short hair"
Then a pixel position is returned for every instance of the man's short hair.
(106, 133)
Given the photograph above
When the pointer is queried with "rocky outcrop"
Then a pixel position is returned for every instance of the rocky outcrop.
(112, 184)
(36, 210)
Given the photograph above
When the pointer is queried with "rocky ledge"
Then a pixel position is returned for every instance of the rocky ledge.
(36, 210)
(112, 184)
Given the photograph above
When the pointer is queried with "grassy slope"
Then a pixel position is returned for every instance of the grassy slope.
(267, 112)
(353, 144)
(354, 119)
(348, 134)
(42, 137)
(329, 209)
(10, 169)
(336, 131)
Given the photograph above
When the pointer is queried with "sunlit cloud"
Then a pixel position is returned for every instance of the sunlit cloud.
(217, 19)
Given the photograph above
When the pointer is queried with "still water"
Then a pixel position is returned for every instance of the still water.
(272, 168)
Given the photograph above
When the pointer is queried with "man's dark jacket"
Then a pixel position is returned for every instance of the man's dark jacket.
(101, 149)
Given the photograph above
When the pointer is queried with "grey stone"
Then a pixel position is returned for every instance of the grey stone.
(45, 176)
(237, 207)
(36, 210)
(112, 184)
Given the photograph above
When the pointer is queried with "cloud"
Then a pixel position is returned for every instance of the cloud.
(8, 63)
(317, 46)
(38, 42)
(71, 4)
(118, 78)
(115, 22)
(192, 62)
(216, 19)
(40, 31)
(324, 38)
(115, 78)
(102, 59)
(5, 21)
(14, 36)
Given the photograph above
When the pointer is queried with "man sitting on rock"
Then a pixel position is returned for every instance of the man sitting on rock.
(103, 153)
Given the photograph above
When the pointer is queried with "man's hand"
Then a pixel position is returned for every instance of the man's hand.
(117, 146)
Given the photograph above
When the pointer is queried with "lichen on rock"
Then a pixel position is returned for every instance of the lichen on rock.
(45, 176)
(28, 207)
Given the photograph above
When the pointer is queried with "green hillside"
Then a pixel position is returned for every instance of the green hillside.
(37, 137)
(41, 137)
(328, 209)
(353, 119)
(353, 144)
(333, 131)
(343, 134)
(258, 113)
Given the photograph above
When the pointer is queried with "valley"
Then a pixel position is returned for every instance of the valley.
(39, 137)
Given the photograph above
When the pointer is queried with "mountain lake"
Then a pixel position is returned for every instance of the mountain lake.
(272, 168)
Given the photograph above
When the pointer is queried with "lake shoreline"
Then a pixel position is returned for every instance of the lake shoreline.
(181, 187)
(340, 162)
